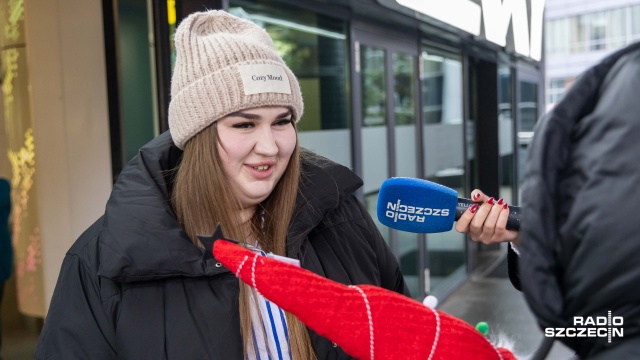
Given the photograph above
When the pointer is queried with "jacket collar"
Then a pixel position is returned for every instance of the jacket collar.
(142, 240)
(324, 185)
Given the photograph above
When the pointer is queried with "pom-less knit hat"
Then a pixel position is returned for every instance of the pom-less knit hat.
(225, 64)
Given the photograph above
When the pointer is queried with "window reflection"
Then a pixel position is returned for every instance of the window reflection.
(441, 89)
(602, 30)
(404, 85)
(505, 135)
(403, 97)
(527, 117)
(404, 76)
(444, 147)
(375, 162)
(374, 93)
(374, 131)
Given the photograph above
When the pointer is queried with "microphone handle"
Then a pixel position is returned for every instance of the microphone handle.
(513, 222)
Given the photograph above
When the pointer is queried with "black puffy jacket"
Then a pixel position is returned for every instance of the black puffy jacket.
(580, 240)
(133, 286)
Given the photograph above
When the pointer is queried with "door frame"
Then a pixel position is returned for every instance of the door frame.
(389, 41)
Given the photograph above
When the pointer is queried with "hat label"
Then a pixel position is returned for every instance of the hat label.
(264, 78)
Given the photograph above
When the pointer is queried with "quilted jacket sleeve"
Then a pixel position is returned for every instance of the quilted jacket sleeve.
(76, 326)
(390, 276)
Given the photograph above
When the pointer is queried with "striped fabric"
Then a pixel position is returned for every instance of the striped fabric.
(270, 333)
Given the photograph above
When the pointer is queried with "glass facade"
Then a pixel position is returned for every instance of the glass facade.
(388, 98)
(528, 112)
(375, 160)
(506, 131)
(602, 30)
(635, 22)
(404, 96)
(555, 90)
(443, 154)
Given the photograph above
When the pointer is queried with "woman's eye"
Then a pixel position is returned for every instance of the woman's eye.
(245, 125)
(283, 122)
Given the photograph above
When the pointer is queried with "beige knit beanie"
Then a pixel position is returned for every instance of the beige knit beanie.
(225, 64)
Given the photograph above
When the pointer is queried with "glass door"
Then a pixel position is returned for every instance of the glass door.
(444, 158)
(528, 112)
(506, 134)
(386, 98)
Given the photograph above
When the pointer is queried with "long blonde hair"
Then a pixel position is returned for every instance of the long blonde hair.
(202, 198)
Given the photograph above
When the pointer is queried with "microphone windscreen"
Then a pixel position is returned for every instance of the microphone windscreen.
(416, 205)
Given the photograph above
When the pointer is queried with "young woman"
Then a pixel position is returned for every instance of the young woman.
(138, 284)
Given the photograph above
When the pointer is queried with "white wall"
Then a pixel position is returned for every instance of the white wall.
(65, 49)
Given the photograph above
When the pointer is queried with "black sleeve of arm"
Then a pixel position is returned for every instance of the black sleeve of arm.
(512, 263)
(76, 326)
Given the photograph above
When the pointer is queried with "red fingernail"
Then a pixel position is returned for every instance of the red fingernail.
(500, 201)
(473, 208)
(505, 206)
(491, 201)
(476, 196)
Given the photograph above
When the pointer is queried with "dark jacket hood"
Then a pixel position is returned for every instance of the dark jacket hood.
(141, 239)
(579, 236)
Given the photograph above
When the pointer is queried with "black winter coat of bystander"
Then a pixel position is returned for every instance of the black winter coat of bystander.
(580, 232)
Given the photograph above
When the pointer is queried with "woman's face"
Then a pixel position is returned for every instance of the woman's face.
(255, 147)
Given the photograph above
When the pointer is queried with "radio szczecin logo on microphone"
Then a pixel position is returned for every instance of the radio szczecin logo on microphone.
(398, 211)
(590, 327)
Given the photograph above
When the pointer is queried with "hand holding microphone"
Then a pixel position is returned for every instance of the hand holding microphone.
(421, 206)
(489, 220)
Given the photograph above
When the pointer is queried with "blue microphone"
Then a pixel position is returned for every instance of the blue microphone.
(422, 206)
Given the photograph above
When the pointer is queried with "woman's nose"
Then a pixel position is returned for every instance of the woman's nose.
(266, 143)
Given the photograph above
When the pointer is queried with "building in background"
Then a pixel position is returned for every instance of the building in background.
(579, 33)
(434, 90)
